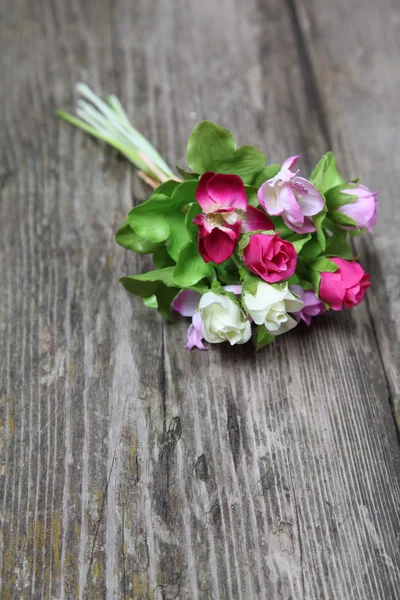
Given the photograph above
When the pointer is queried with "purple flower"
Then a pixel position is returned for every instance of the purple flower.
(294, 198)
(363, 210)
(313, 306)
(186, 304)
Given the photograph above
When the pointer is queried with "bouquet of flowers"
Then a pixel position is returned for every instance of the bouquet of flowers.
(237, 244)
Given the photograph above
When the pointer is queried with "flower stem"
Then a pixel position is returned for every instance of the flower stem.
(109, 122)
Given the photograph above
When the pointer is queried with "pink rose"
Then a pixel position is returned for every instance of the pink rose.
(346, 286)
(363, 210)
(270, 257)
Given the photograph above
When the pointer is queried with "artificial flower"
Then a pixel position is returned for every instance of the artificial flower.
(362, 210)
(313, 306)
(270, 257)
(270, 306)
(294, 198)
(223, 320)
(346, 286)
(226, 214)
(186, 303)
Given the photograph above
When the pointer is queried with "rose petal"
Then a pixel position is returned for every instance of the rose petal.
(331, 290)
(351, 272)
(195, 335)
(255, 219)
(307, 196)
(269, 199)
(186, 302)
(290, 163)
(227, 191)
(207, 204)
(307, 226)
(217, 246)
(292, 209)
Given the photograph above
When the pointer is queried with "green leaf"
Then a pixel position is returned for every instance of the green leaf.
(162, 259)
(266, 173)
(293, 280)
(167, 188)
(227, 272)
(280, 227)
(209, 145)
(324, 265)
(162, 217)
(338, 247)
(342, 219)
(191, 267)
(251, 193)
(141, 284)
(312, 249)
(151, 301)
(127, 238)
(325, 175)
(299, 240)
(315, 277)
(154, 283)
(213, 148)
(335, 229)
(332, 177)
(335, 198)
(318, 221)
(250, 285)
(246, 162)
(186, 174)
(264, 338)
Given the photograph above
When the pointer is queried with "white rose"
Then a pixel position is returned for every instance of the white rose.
(270, 306)
(222, 320)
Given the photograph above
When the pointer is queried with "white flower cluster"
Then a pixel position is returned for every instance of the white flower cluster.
(224, 320)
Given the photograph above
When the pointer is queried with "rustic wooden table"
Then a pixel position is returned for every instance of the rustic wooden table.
(130, 467)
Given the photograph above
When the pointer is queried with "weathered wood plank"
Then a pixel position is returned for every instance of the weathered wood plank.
(132, 468)
(359, 87)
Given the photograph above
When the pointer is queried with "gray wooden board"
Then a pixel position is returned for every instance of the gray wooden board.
(130, 467)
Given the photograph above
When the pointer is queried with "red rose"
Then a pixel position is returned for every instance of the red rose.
(270, 257)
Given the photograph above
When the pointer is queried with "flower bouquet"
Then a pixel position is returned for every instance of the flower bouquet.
(237, 244)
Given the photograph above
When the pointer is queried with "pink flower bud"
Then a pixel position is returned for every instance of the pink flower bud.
(346, 286)
(363, 210)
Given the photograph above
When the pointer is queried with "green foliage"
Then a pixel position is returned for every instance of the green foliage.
(318, 222)
(251, 193)
(250, 285)
(186, 175)
(323, 265)
(326, 175)
(311, 249)
(130, 240)
(162, 216)
(213, 148)
(299, 240)
(151, 302)
(264, 338)
(162, 259)
(190, 266)
(339, 247)
(159, 283)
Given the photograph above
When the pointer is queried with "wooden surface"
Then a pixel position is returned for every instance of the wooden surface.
(130, 467)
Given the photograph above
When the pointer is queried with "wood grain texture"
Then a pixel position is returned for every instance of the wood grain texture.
(134, 469)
